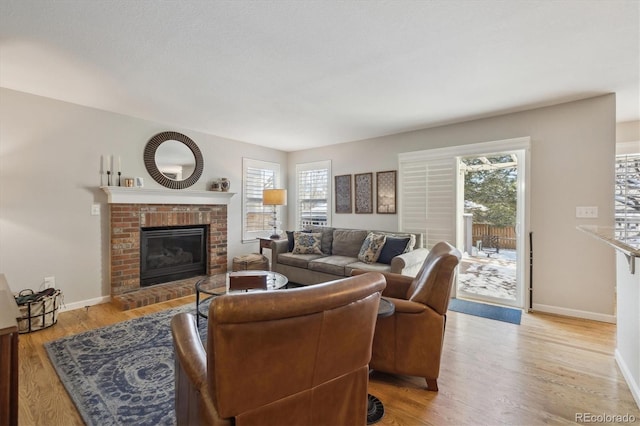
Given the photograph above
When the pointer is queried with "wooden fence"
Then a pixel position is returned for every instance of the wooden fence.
(506, 234)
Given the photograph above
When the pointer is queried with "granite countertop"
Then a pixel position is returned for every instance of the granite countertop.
(607, 234)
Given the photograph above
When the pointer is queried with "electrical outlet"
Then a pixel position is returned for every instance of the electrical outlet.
(50, 282)
(95, 210)
(587, 212)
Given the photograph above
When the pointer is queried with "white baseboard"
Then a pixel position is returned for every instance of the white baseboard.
(574, 313)
(84, 303)
(631, 382)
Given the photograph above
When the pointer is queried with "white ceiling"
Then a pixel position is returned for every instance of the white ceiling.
(297, 74)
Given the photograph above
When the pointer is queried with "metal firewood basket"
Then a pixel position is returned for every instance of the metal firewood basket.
(38, 310)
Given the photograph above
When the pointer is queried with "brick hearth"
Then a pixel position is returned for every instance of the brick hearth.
(126, 221)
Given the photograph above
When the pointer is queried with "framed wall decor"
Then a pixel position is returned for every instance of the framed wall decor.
(343, 194)
(386, 192)
(364, 192)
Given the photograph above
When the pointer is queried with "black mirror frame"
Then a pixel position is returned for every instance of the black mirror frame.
(150, 160)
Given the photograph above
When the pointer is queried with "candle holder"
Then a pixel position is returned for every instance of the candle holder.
(119, 174)
(108, 178)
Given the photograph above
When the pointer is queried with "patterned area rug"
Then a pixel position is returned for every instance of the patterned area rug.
(123, 373)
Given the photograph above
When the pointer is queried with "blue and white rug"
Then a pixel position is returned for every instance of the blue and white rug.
(123, 373)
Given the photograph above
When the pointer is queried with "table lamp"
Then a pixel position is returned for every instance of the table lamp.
(275, 198)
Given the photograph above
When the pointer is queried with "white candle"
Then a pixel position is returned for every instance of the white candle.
(104, 163)
(111, 163)
(119, 164)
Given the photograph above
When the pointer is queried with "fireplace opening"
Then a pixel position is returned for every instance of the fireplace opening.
(172, 253)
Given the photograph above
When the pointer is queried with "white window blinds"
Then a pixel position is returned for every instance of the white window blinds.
(313, 200)
(428, 187)
(627, 197)
(427, 197)
(257, 218)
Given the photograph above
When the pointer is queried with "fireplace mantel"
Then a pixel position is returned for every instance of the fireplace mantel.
(124, 195)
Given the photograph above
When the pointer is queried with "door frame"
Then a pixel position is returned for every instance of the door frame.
(521, 147)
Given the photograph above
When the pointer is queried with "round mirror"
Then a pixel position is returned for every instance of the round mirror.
(173, 160)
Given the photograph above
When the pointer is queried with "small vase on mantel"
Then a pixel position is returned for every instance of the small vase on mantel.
(225, 184)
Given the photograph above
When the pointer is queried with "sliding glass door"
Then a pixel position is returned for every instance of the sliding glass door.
(473, 196)
(490, 212)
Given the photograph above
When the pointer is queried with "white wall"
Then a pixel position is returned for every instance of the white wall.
(49, 178)
(572, 164)
(628, 137)
(49, 175)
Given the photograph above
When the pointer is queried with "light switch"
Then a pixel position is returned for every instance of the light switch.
(587, 212)
(95, 210)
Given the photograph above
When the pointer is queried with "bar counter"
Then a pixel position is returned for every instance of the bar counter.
(629, 247)
(627, 290)
(607, 234)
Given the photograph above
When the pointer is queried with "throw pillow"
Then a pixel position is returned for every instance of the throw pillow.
(412, 240)
(411, 244)
(392, 248)
(327, 237)
(371, 247)
(306, 243)
(291, 241)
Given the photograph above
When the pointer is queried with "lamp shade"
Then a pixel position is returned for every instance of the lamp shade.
(274, 197)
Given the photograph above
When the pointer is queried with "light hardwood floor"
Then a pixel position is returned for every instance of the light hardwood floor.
(548, 370)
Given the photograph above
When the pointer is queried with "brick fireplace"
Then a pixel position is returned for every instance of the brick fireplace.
(127, 219)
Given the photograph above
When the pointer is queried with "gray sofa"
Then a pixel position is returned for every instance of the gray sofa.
(340, 248)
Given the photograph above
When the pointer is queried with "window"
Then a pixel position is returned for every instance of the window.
(627, 198)
(313, 202)
(257, 218)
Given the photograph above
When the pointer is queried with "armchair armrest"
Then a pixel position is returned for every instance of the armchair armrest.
(403, 306)
(397, 285)
(190, 353)
(193, 402)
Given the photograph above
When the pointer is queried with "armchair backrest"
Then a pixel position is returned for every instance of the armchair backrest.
(432, 284)
(302, 352)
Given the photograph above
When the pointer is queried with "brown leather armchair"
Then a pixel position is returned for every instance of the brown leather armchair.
(297, 356)
(410, 341)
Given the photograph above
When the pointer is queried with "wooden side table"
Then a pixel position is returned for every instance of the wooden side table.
(265, 243)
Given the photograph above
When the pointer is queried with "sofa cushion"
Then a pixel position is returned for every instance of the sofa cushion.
(393, 247)
(347, 242)
(306, 243)
(331, 264)
(297, 260)
(371, 267)
(371, 247)
(327, 237)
